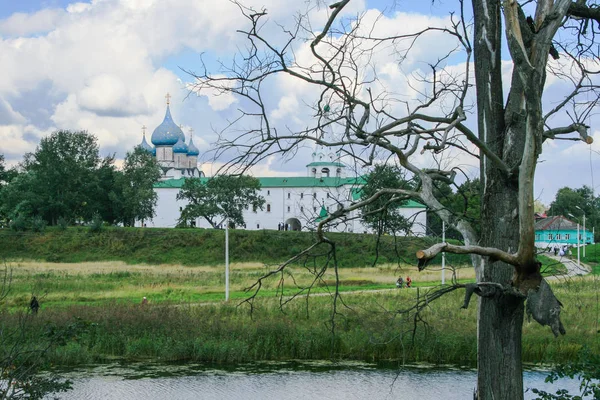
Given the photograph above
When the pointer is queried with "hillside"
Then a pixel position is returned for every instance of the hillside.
(203, 246)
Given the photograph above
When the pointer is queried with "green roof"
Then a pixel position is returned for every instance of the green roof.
(322, 214)
(269, 182)
(325, 164)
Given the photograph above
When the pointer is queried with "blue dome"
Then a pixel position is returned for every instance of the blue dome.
(180, 147)
(144, 145)
(192, 150)
(167, 133)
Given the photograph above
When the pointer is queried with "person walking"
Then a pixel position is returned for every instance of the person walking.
(399, 283)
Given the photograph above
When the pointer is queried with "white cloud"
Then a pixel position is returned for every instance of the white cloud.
(21, 24)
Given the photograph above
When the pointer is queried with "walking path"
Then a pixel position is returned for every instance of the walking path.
(572, 268)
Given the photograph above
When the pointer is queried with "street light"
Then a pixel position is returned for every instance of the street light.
(578, 261)
(584, 231)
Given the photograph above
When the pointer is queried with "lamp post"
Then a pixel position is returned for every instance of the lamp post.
(584, 231)
(578, 260)
(443, 253)
(227, 259)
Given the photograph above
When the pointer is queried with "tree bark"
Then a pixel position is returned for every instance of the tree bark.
(500, 317)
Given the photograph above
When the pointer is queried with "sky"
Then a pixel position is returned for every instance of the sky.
(105, 66)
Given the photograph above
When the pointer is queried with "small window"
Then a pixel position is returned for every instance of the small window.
(301, 195)
(257, 226)
(289, 195)
(325, 172)
(268, 192)
(313, 172)
(268, 208)
(567, 236)
(288, 208)
(314, 195)
(301, 209)
(315, 209)
(549, 236)
(558, 236)
(180, 208)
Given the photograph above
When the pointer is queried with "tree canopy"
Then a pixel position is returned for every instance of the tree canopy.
(383, 215)
(577, 203)
(65, 179)
(134, 196)
(218, 198)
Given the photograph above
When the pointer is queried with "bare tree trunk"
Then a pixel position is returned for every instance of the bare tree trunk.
(500, 317)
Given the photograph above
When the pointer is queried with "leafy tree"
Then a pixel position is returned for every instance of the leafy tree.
(338, 63)
(64, 172)
(586, 369)
(578, 202)
(220, 197)
(134, 196)
(383, 215)
(6, 176)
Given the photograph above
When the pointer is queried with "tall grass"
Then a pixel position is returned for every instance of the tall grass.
(367, 328)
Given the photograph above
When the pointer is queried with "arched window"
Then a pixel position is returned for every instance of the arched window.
(313, 172)
(268, 208)
(325, 172)
(289, 195)
(338, 172)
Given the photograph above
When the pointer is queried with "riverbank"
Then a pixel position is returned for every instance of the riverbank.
(367, 328)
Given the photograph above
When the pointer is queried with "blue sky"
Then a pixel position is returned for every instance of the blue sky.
(105, 66)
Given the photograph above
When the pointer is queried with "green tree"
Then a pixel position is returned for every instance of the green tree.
(64, 170)
(384, 215)
(134, 196)
(578, 202)
(464, 203)
(220, 197)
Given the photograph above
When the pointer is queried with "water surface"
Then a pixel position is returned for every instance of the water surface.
(293, 381)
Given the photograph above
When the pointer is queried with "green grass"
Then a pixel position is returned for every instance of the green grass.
(204, 246)
(367, 329)
(592, 256)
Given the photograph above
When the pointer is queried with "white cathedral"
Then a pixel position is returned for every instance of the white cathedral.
(291, 203)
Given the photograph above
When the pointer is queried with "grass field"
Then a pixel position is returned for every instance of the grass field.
(186, 318)
(367, 327)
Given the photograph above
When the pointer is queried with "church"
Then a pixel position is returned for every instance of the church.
(291, 203)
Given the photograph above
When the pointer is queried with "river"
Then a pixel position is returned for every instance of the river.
(293, 381)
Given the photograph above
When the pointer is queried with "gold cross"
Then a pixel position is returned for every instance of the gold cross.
(168, 97)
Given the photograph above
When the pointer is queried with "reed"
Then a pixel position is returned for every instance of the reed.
(367, 328)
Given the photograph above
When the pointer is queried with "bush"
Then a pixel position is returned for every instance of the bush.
(19, 224)
(96, 224)
(37, 224)
(62, 223)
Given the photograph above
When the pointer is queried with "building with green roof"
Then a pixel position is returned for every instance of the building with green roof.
(292, 203)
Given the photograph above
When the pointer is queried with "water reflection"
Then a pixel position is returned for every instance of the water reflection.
(280, 381)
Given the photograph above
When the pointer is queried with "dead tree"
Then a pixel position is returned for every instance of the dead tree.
(339, 61)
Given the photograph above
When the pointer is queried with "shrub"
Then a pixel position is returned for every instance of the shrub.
(37, 224)
(96, 224)
(62, 223)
